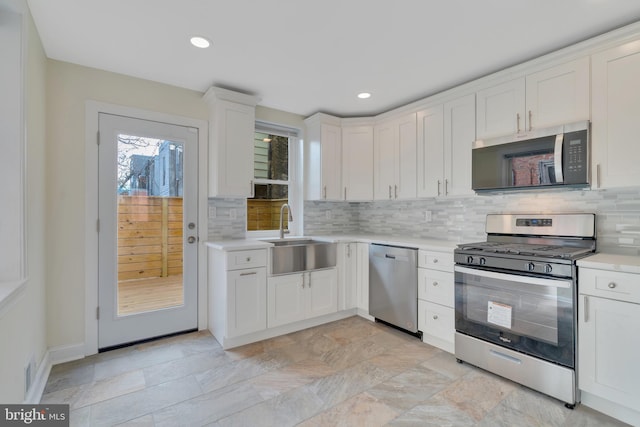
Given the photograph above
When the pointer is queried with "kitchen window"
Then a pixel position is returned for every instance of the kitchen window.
(274, 167)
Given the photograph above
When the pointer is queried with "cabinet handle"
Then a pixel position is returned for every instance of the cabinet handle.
(248, 259)
(586, 309)
(252, 192)
(324, 192)
(517, 122)
(345, 193)
(435, 283)
(612, 285)
(390, 193)
(598, 175)
(530, 126)
(438, 187)
(446, 187)
(435, 260)
(348, 251)
(435, 317)
(396, 191)
(251, 273)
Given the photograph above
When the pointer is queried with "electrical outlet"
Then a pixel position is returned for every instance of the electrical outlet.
(212, 211)
(427, 216)
(233, 214)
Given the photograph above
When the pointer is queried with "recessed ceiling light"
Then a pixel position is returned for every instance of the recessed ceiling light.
(364, 95)
(201, 42)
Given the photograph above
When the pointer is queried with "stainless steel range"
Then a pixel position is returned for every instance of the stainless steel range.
(516, 299)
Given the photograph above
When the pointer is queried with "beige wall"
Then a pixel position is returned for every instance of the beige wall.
(68, 88)
(22, 327)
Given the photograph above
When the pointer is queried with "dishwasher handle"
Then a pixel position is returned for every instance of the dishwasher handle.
(389, 256)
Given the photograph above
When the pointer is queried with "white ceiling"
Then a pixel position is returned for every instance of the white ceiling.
(307, 56)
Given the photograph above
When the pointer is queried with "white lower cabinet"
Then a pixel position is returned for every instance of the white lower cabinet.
(246, 295)
(237, 293)
(299, 296)
(608, 343)
(362, 279)
(436, 314)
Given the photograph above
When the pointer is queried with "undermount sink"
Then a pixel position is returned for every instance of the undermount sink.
(295, 255)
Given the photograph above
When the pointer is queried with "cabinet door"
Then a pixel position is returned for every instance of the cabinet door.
(384, 161)
(459, 134)
(406, 164)
(501, 109)
(331, 148)
(231, 151)
(347, 270)
(558, 95)
(615, 113)
(357, 163)
(285, 299)
(608, 349)
(363, 277)
(247, 301)
(430, 152)
(322, 292)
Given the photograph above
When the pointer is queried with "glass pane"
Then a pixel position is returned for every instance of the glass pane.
(271, 157)
(149, 224)
(263, 211)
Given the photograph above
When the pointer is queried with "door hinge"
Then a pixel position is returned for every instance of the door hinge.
(98, 137)
(97, 313)
(98, 225)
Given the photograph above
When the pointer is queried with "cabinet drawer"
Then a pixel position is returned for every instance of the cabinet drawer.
(246, 259)
(436, 286)
(609, 284)
(436, 320)
(436, 260)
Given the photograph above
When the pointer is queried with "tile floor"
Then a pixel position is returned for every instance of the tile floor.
(347, 373)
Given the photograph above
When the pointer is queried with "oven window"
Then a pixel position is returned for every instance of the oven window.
(530, 314)
(524, 310)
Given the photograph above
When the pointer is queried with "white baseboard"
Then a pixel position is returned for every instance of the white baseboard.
(610, 408)
(34, 395)
(53, 356)
(66, 353)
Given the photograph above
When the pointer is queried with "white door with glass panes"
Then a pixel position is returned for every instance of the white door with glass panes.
(147, 240)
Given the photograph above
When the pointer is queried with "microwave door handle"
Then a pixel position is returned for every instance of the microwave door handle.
(515, 278)
(557, 156)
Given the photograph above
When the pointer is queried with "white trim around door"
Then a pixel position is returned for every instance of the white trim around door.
(92, 109)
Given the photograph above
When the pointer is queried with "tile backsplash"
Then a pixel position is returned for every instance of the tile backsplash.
(455, 218)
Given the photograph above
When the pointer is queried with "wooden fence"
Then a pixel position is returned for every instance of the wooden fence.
(149, 237)
(264, 214)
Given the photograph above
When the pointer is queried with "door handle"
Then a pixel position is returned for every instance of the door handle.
(191, 239)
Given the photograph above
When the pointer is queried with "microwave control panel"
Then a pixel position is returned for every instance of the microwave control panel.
(575, 155)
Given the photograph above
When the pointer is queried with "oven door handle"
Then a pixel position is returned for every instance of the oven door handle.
(555, 283)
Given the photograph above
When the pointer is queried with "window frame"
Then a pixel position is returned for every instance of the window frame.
(294, 183)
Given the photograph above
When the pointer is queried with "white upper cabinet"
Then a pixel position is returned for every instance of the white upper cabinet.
(323, 158)
(445, 136)
(395, 165)
(501, 109)
(357, 162)
(615, 116)
(430, 151)
(231, 134)
(459, 134)
(550, 97)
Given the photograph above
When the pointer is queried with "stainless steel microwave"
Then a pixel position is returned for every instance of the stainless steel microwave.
(550, 157)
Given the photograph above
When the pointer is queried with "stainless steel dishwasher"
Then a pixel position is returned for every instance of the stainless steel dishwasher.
(393, 286)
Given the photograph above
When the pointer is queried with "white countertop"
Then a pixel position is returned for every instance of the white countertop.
(612, 262)
(427, 244)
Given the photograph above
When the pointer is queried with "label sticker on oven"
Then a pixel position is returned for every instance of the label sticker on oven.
(499, 314)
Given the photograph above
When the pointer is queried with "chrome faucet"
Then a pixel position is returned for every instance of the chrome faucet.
(286, 205)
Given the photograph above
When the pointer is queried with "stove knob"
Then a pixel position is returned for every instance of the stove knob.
(548, 268)
(531, 266)
(483, 261)
(469, 259)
